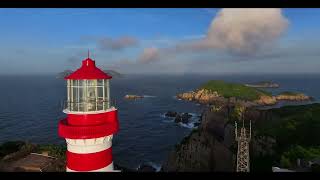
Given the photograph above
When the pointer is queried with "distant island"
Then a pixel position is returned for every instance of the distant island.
(263, 84)
(67, 72)
(63, 74)
(217, 91)
(131, 96)
(113, 73)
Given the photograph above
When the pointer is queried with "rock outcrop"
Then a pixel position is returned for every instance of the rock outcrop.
(201, 96)
(266, 100)
(180, 117)
(128, 96)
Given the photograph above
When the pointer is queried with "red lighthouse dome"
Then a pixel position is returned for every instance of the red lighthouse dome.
(88, 70)
(91, 120)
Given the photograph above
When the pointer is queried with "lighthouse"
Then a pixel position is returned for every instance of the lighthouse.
(91, 120)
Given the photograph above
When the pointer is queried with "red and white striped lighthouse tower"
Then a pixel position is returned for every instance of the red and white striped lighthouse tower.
(91, 120)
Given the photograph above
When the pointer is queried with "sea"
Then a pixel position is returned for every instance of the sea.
(31, 106)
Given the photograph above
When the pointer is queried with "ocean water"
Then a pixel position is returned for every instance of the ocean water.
(30, 108)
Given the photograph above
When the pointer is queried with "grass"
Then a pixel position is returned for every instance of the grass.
(53, 150)
(14, 146)
(239, 91)
(10, 147)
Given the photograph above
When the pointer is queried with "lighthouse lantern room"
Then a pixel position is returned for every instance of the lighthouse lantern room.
(91, 120)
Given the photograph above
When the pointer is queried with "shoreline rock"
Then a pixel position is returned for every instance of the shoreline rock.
(181, 117)
(293, 97)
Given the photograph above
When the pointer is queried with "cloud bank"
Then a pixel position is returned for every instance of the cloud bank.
(241, 32)
(149, 54)
(117, 44)
(245, 31)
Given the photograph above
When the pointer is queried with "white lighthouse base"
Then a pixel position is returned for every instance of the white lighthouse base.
(87, 146)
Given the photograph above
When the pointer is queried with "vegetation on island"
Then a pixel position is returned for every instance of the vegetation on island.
(10, 147)
(296, 130)
(289, 158)
(236, 90)
(53, 150)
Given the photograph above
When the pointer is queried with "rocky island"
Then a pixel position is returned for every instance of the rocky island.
(63, 74)
(263, 84)
(216, 91)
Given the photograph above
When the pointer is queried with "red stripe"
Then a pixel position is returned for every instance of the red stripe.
(87, 132)
(89, 162)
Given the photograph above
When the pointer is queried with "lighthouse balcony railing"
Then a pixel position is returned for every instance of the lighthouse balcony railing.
(89, 106)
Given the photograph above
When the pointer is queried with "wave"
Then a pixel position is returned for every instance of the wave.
(157, 167)
(148, 96)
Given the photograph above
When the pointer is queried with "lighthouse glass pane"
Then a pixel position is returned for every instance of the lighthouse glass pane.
(75, 96)
(88, 95)
(100, 98)
(91, 82)
(81, 98)
(81, 82)
(91, 95)
(106, 94)
(100, 82)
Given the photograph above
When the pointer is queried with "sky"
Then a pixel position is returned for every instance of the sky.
(161, 41)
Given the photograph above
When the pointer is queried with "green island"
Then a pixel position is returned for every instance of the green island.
(218, 91)
(237, 90)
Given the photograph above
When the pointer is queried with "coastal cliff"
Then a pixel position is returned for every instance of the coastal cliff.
(280, 136)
